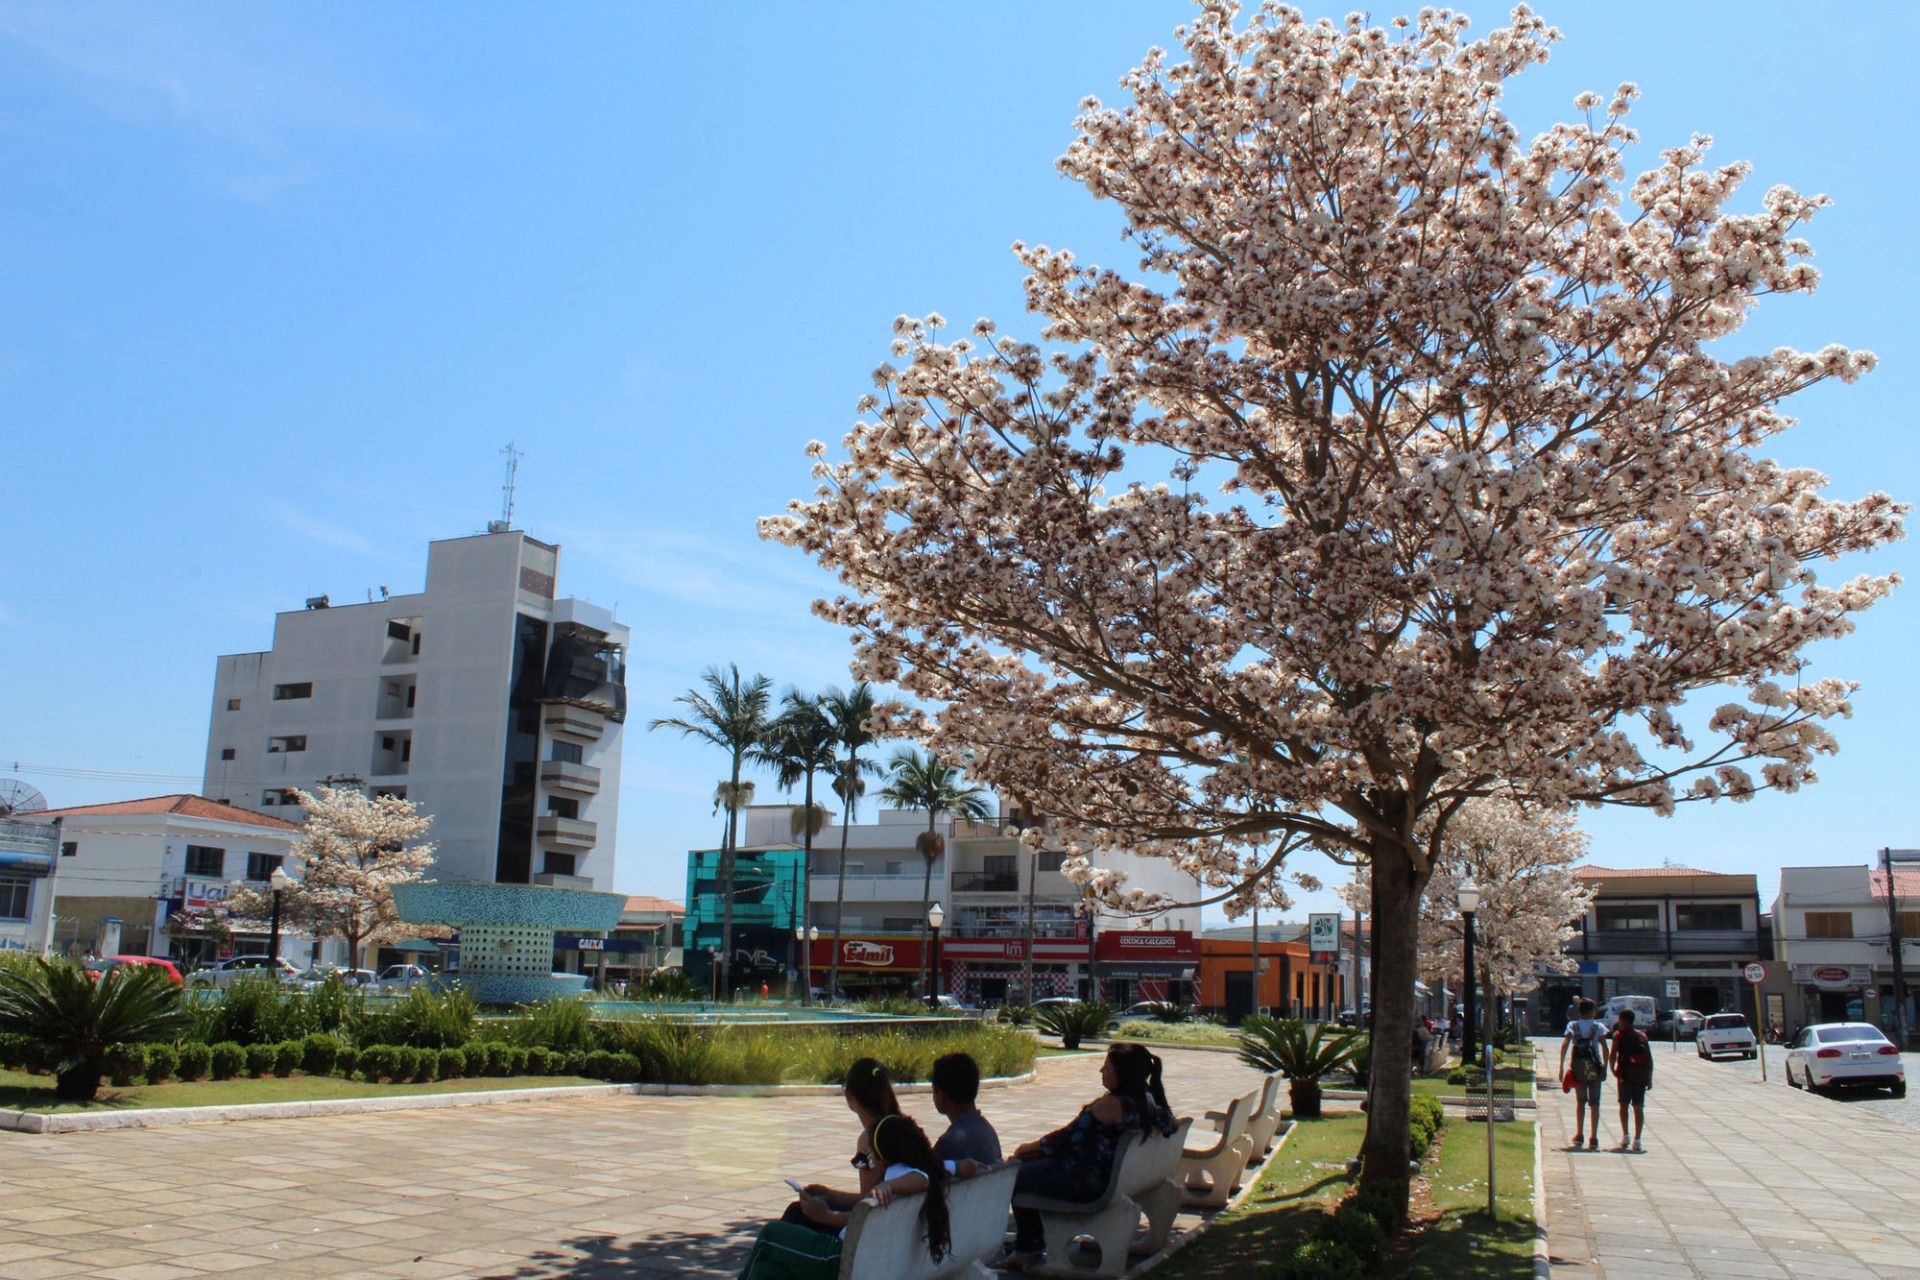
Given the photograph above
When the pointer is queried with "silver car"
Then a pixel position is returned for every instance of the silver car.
(1831, 1055)
(227, 971)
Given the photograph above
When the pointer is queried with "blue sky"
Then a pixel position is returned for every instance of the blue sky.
(280, 281)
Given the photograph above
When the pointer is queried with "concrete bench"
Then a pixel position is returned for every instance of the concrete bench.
(1212, 1173)
(1263, 1126)
(890, 1243)
(1141, 1182)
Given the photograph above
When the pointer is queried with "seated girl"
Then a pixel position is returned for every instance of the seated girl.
(868, 1093)
(905, 1163)
(1074, 1162)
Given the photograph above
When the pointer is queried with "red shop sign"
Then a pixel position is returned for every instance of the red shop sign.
(1148, 946)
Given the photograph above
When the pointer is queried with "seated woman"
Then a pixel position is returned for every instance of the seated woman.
(906, 1164)
(868, 1092)
(1074, 1163)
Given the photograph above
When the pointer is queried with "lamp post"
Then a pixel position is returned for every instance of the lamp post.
(935, 918)
(1468, 898)
(804, 939)
(280, 882)
(713, 974)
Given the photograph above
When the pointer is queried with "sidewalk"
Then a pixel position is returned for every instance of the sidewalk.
(639, 1188)
(1739, 1179)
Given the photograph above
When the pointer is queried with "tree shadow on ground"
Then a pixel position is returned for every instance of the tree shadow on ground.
(717, 1251)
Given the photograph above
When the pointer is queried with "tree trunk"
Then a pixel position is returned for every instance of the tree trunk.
(806, 906)
(78, 1084)
(1396, 932)
(726, 885)
(840, 885)
(1304, 1098)
(926, 901)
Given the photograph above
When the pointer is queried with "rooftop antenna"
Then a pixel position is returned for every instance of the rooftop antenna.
(505, 522)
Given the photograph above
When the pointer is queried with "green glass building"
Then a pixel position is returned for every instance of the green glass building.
(769, 901)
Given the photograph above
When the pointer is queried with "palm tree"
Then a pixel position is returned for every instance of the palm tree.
(849, 712)
(800, 744)
(77, 1016)
(922, 782)
(731, 715)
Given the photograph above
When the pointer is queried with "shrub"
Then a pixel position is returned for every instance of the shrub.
(424, 1018)
(576, 1062)
(1169, 1011)
(560, 1024)
(319, 1054)
(163, 1062)
(254, 1010)
(1359, 1231)
(1384, 1202)
(124, 1062)
(1321, 1260)
(624, 1067)
(426, 1066)
(1074, 1022)
(453, 1063)
(18, 1052)
(228, 1060)
(516, 1060)
(542, 1061)
(499, 1058)
(1303, 1056)
(347, 1061)
(1426, 1116)
(335, 1006)
(599, 1064)
(287, 1056)
(77, 1018)
(1016, 1015)
(377, 1062)
(666, 984)
(1360, 1060)
(196, 1060)
(260, 1059)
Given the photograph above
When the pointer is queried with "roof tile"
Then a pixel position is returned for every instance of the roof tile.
(189, 806)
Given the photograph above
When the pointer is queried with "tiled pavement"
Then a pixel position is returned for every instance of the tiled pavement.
(587, 1188)
(1739, 1179)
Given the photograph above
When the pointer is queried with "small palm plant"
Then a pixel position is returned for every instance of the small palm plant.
(1287, 1046)
(1073, 1022)
(78, 1018)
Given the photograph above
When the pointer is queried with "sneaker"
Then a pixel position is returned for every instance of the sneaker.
(1593, 1144)
(1579, 1141)
(1636, 1144)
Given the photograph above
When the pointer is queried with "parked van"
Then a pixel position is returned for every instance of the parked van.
(1643, 1011)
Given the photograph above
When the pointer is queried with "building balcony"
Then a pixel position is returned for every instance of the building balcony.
(555, 880)
(985, 882)
(569, 833)
(574, 720)
(865, 888)
(1661, 942)
(1043, 931)
(563, 775)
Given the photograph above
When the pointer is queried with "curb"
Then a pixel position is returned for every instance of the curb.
(1542, 1256)
(160, 1117)
(1182, 1241)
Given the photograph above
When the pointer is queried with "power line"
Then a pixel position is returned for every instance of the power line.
(100, 775)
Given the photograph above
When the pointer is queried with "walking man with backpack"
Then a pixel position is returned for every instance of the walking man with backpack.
(1633, 1072)
(1586, 1040)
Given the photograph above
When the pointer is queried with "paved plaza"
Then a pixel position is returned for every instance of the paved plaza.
(587, 1188)
(1739, 1179)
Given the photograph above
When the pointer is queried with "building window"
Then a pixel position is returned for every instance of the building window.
(69, 847)
(260, 865)
(233, 704)
(895, 869)
(1629, 917)
(16, 897)
(1052, 859)
(288, 692)
(561, 864)
(1910, 924)
(278, 796)
(203, 860)
(290, 742)
(411, 690)
(568, 753)
(399, 631)
(999, 864)
(226, 753)
(901, 924)
(1829, 924)
(406, 751)
(399, 793)
(560, 808)
(1722, 916)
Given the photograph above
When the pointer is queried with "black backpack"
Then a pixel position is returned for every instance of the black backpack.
(1633, 1057)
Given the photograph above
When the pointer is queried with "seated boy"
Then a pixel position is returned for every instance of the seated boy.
(956, 1086)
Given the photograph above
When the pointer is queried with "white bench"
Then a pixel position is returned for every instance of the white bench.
(1212, 1174)
(891, 1244)
(1141, 1182)
(1263, 1126)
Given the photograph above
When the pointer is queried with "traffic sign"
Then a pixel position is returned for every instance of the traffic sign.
(1673, 988)
(1755, 973)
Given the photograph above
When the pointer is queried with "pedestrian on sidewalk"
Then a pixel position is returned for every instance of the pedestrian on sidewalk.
(1586, 1041)
(1633, 1071)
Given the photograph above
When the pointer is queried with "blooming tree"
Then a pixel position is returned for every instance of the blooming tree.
(1407, 470)
(354, 849)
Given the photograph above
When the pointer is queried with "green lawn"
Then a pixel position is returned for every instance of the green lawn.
(1462, 1242)
(1301, 1179)
(1176, 1032)
(1438, 1087)
(20, 1091)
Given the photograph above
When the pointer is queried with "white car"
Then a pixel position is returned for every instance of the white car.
(1831, 1055)
(225, 973)
(352, 977)
(1725, 1033)
(400, 977)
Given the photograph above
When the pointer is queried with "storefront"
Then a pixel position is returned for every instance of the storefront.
(993, 971)
(870, 964)
(1140, 964)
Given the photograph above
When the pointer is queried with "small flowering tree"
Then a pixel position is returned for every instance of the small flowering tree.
(354, 850)
(1414, 467)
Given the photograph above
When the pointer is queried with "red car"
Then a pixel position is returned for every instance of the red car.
(106, 964)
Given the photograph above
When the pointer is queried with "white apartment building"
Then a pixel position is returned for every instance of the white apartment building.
(142, 877)
(28, 852)
(491, 704)
(1831, 928)
(998, 898)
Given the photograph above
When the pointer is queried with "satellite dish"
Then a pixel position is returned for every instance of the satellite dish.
(17, 797)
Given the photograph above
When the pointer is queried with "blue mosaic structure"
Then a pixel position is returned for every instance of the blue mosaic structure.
(507, 930)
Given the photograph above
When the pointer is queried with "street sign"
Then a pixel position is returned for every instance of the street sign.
(1323, 931)
(1755, 973)
(1673, 988)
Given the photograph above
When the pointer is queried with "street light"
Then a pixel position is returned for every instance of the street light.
(935, 918)
(804, 938)
(280, 882)
(1468, 898)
